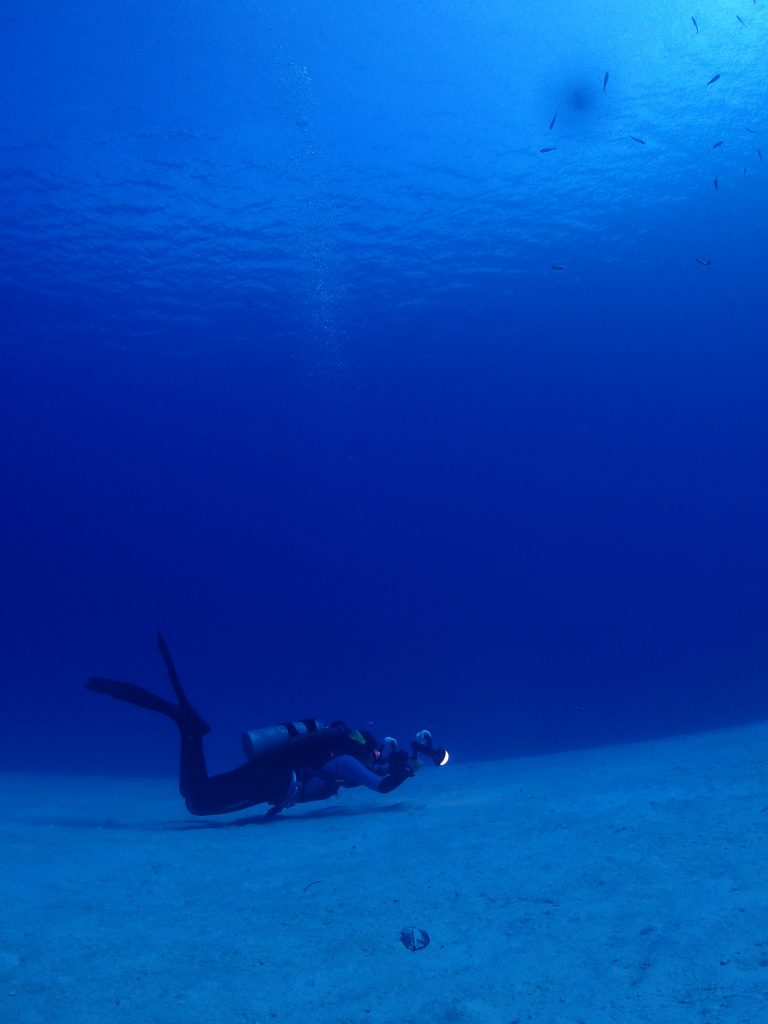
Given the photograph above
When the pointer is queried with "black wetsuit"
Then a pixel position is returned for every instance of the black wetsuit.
(310, 766)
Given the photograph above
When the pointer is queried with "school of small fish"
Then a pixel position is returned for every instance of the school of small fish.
(636, 138)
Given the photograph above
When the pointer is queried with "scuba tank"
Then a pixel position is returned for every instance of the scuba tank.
(258, 742)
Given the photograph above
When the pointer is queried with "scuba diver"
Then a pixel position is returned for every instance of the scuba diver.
(292, 763)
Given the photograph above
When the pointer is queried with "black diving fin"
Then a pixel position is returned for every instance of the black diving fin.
(185, 716)
(133, 695)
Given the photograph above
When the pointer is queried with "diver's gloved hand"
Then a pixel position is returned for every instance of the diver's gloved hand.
(400, 770)
(399, 762)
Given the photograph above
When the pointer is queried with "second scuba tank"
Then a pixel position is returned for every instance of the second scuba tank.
(258, 742)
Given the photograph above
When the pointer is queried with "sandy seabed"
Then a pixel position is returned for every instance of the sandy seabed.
(624, 884)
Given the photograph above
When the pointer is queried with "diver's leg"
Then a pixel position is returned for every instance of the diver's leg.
(249, 784)
(347, 769)
(193, 772)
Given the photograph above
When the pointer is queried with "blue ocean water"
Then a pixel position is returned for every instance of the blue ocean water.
(393, 362)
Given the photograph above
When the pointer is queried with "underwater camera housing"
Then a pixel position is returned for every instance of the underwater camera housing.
(422, 744)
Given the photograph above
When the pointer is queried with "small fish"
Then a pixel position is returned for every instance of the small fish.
(741, 21)
(552, 122)
(753, 130)
(558, 266)
(716, 183)
(695, 24)
(703, 263)
(548, 149)
(714, 78)
(745, 172)
(759, 153)
(717, 145)
(636, 138)
(605, 81)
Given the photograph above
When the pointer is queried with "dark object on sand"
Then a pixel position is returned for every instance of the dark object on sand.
(414, 938)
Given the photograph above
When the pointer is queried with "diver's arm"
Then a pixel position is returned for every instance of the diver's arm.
(350, 772)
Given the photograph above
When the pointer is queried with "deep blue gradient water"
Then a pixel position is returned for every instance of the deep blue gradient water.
(287, 373)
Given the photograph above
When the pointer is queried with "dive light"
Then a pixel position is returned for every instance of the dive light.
(422, 744)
